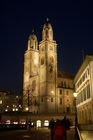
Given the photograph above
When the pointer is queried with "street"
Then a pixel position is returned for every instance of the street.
(34, 134)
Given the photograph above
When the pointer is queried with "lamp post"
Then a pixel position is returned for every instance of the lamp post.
(75, 96)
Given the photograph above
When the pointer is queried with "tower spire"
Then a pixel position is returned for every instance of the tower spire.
(47, 19)
(33, 31)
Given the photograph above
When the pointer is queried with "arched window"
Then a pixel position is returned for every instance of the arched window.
(42, 60)
(38, 123)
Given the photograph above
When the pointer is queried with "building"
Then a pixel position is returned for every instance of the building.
(45, 90)
(10, 101)
(65, 92)
(84, 88)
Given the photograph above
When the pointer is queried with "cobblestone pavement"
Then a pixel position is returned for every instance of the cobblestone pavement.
(34, 134)
(71, 134)
(87, 135)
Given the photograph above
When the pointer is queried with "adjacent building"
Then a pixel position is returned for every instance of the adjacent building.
(84, 88)
(10, 101)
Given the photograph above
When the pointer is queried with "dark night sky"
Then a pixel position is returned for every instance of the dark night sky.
(72, 23)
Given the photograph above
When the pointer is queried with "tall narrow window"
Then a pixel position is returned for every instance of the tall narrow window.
(60, 91)
(51, 99)
(60, 100)
(64, 84)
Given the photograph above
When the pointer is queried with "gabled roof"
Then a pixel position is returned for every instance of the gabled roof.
(67, 75)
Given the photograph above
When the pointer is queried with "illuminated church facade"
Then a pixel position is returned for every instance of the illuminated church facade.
(45, 89)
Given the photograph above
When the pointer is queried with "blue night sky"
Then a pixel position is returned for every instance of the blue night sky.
(72, 23)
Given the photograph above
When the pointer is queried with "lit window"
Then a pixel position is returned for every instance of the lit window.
(46, 123)
(15, 122)
(38, 124)
(0, 102)
(8, 122)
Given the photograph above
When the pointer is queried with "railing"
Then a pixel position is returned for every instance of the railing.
(79, 134)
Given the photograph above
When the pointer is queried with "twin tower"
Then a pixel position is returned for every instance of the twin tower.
(40, 73)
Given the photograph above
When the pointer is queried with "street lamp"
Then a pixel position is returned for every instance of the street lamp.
(75, 96)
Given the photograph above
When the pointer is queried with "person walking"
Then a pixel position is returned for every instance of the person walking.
(64, 122)
(59, 130)
(51, 125)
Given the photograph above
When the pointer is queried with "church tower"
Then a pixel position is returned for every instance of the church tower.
(48, 70)
(31, 75)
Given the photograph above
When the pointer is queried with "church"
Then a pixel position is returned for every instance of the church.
(45, 89)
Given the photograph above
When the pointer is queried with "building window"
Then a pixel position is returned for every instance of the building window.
(60, 100)
(68, 109)
(88, 91)
(60, 92)
(33, 85)
(68, 85)
(83, 77)
(61, 83)
(46, 123)
(51, 99)
(65, 84)
(88, 71)
(41, 99)
(38, 124)
(84, 92)
(42, 61)
(67, 92)
(0, 102)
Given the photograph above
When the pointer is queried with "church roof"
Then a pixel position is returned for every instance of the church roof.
(47, 24)
(61, 74)
(32, 35)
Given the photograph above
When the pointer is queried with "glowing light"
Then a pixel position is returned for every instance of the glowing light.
(38, 123)
(16, 109)
(52, 91)
(27, 108)
(0, 102)
(46, 123)
(75, 94)
(6, 110)
(15, 122)
(13, 109)
(8, 122)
